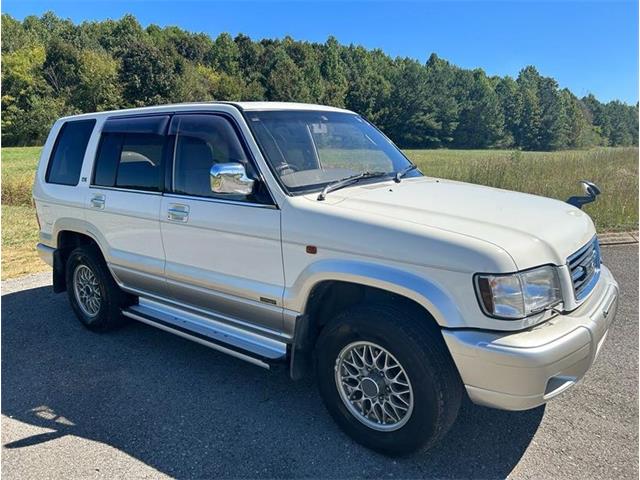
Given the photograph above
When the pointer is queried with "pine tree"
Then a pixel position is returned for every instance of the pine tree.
(53, 67)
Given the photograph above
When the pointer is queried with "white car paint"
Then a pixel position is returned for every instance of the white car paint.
(423, 238)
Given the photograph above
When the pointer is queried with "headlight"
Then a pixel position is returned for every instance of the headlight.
(518, 295)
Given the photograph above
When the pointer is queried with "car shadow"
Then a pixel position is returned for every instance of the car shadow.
(191, 412)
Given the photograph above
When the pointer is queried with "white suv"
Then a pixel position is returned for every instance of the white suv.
(300, 235)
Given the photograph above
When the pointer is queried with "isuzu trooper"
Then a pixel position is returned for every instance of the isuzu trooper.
(299, 235)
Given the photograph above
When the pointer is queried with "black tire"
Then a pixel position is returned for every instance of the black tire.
(112, 299)
(417, 344)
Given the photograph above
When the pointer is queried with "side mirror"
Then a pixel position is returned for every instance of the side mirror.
(591, 191)
(230, 178)
(590, 188)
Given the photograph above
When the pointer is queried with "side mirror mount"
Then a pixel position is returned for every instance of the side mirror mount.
(591, 191)
(230, 178)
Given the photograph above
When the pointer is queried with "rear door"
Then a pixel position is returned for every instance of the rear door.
(223, 252)
(125, 198)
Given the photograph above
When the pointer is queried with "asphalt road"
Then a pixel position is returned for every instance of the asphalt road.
(141, 403)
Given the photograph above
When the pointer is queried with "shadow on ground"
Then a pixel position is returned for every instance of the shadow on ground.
(191, 412)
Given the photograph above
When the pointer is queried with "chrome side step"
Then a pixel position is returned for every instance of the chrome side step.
(225, 338)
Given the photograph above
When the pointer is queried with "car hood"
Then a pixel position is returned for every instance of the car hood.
(533, 230)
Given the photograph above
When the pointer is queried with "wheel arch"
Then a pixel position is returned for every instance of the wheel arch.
(69, 234)
(335, 286)
(420, 290)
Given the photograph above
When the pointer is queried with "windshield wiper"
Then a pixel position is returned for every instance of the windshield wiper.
(403, 172)
(348, 181)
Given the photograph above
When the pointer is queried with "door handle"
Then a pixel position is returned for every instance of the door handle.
(178, 213)
(97, 201)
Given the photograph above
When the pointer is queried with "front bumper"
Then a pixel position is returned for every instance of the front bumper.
(521, 370)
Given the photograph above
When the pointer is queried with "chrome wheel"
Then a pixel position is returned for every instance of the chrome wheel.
(374, 386)
(87, 290)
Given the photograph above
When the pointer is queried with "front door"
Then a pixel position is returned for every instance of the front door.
(223, 252)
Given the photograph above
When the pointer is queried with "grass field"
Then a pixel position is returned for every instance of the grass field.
(553, 174)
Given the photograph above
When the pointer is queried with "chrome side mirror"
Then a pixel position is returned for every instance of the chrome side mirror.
(230, 178)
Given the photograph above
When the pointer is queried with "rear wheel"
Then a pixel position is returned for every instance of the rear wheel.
(95, 297)
(387, 378)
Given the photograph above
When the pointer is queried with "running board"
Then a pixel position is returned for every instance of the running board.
(225, 338)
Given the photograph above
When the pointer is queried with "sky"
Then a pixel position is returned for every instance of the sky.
(587, 46)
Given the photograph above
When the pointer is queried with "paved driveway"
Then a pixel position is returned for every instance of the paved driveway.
(143, 403)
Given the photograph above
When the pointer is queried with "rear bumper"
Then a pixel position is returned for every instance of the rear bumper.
(46, 253)
(521, 370)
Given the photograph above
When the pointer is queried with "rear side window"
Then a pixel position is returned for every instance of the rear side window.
(65, 162)
(131, 153)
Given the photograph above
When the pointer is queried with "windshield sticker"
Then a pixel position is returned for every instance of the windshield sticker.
(320, 128)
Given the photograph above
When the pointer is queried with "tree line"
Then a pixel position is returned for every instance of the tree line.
(53, 67)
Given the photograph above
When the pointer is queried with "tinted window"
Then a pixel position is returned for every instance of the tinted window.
(130, 153)
(202, 141)
(65, 162)
(140, 161)
(107, 160)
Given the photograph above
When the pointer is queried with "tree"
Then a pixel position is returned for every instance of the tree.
(249, 60)
(285, 82)
(226, 55)
(623, 122)
(332, 69)
(147, 76)
(529, 135)
(307, 59)
(512, 107)
(98, 87)
(580, 132)
(28, 104)
(554, 126)
(411, 119)
(369, 83)
(61, 67)
(53, 67)
(118, 36)
(481, 120)
(442, 104)
(13, 34)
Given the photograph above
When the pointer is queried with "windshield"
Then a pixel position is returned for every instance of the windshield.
(310, 149)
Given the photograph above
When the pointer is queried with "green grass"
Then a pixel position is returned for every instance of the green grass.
(553, 174)
(18, 168)
(19, 238)
(19, 226)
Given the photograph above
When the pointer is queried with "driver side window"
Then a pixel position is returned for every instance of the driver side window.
(202, 141)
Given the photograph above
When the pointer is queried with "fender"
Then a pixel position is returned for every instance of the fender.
(426, 293)
(69, 224)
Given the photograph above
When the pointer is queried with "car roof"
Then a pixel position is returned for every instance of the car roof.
(248, 106)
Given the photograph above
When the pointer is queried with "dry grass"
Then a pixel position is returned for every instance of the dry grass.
(19, 238)
(18, 168)
(553, 174)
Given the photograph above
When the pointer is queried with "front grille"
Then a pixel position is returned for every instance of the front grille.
(584, 266)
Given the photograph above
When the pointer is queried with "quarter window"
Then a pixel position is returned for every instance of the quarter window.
(131, 153)
(66, 159)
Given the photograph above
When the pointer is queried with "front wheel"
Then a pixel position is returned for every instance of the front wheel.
(387, 378)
